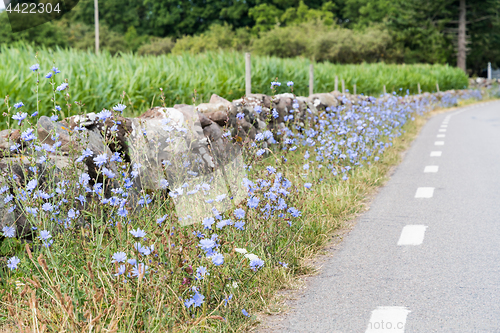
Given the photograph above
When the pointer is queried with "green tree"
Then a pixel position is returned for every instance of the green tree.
(302, 13)
(363, 13)
(118, 15)
(47, 34)
(266, 16)
(483, 33)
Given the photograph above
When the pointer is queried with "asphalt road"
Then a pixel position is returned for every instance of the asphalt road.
(444, 276)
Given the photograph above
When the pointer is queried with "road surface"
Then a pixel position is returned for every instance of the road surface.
(426, 256)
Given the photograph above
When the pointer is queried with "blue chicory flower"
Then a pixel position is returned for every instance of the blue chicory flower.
(13, 262)
(9, 231)
(119, 257)
(138, 233)
(119, 107)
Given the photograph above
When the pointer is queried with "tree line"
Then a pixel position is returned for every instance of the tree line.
(342, 31)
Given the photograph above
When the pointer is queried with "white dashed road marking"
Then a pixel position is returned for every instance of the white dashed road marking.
(412, 235)
(441, 135)
(436, 153)
(442, 130)
(424, 192)
(388, 319)
(444, 126)
(439, 143)
(431, 168)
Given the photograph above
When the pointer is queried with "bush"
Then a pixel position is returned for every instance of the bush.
(133, 40)
(157, 46)
(83, 38)
(324, 43)
(284, 42)
(349, 46)
(217, 37)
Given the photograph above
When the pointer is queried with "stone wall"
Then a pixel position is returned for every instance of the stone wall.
(205, 136)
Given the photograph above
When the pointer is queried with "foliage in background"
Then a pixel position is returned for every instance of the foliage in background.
(215, 38)
(48, 34)
(316, 40)
(267, 15)
(99, 80)
(156, 46)
(421, 31)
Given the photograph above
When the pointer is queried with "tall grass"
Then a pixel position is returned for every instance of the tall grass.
(99, 80)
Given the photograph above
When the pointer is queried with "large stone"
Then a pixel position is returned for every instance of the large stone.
(114, 129)
(216, 99)
(116, 138)
(213, 132)
(163, 134)
(252, 133)
(91, 134)
(244, 124)
(85, 120)
(8, 138)
(261, 125)
(192, 122)
(251, 103)
(282, 105)
(8, 218)
(261, 99)
(46, 128)
(248, 110)
(212, 107)
(219, 117)
(308, 105)
(204, 120)
(322, 101)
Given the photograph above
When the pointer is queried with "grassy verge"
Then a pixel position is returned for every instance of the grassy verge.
(332, 210)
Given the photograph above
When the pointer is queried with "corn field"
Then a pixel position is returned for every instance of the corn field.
(99, 81)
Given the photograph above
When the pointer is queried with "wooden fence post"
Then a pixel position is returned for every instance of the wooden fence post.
(343, 86)
(354, 89)
(437, 86)
(418, 86)
(336, 83)
(248, 74)
(385, 91)
(96, 23)
(311, 79)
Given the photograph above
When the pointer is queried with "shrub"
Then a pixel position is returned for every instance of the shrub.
(133, 40)
(349, 46)
(283, 42)
(217, 37)
(322, 42)
(157, 46)
(108, 40)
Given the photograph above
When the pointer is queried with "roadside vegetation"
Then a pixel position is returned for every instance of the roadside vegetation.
(111, 267)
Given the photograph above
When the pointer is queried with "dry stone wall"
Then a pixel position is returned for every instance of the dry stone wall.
(206, 135)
